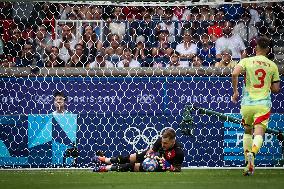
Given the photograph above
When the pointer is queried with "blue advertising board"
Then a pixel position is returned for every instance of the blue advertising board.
(121, 116)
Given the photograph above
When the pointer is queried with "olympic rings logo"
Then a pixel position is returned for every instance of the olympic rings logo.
(136, 135)
(145, 98)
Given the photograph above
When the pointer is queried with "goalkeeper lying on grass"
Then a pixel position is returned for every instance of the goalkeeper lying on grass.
(165, 155)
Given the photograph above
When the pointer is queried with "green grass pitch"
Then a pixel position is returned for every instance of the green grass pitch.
(190, 178)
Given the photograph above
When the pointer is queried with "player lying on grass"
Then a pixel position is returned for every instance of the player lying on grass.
(261, 78)
(169, 151)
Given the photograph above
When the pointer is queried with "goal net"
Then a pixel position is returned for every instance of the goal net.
(127, 70)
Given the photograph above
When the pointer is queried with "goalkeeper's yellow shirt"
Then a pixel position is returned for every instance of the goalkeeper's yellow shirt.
(260, 73)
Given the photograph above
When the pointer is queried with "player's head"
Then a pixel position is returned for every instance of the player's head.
(168, 139)
(262, 45)
(59, 100)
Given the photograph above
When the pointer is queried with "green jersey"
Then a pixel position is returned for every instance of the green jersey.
(260, 73)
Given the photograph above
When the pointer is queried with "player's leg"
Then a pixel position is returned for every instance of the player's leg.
(247, 120)
(261, 120)
(119, 167)
(110, 160)
(131, 158)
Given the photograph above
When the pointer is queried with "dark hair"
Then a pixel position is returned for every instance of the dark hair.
(169, 133)
(263, 42)
(59, 93)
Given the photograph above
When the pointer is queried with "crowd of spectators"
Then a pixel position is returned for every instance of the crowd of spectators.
(133, 36)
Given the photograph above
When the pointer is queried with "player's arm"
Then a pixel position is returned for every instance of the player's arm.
(275, 82)
(235, 77)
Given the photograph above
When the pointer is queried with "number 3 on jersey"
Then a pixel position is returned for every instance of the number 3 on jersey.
(260, 73)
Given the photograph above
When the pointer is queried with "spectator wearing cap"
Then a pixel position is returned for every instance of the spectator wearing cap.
(229, 41)
(226, 61)
(244, 29)
(100, 62)
(187, 49)
(128, 60)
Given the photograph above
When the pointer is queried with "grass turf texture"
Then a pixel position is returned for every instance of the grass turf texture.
(83, 179)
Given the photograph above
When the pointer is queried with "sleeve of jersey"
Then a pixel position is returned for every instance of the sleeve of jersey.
(276, 77)
(177, 164)
(157, 145)
(242, 63)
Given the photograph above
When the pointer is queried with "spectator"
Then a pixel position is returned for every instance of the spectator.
(268, 17)
(175, 61)
(244, 29)
(53, 59)
(100, 62)
(215, 31)
(206, 50)
(128, 60)
(66, 44)
(162, 47)
(13, 48)
(187, 49)
(115, 50)
(251, 7)
(142, 29)
(78, 59)
(117, 24)
(230, 41)
(232, 11)
(90, 43)
(1, 44)
(28, 57)
(263, 32)
(142, 52)
(168, 25)
(197, 61)
(4, 63)
(226, 61)
(59, 103)
(42, 42)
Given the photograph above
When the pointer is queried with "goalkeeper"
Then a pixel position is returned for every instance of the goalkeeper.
(261, 78)
(169, 151)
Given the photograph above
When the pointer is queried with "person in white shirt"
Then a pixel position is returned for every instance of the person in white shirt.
(59, 103)
(67, 44)
(100, 62)
(187, 49)
(128, 60)
(246, 31)
(230, 41)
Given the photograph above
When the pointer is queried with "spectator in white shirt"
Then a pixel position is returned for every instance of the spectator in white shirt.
(175, 61)
(67, 44)
(230, 41)
(128, 60)
(187, 49)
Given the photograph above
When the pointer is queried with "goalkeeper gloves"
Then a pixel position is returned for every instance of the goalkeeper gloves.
(166, 165)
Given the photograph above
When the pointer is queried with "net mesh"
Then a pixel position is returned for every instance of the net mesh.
(127, 70)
